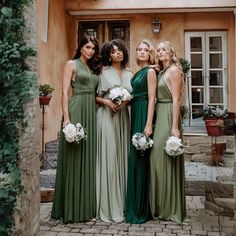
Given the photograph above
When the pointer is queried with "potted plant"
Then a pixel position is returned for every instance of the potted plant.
(185, 109)
(45, 91)
(213, 117)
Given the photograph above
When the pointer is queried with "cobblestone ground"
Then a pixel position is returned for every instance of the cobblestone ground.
(199, 221)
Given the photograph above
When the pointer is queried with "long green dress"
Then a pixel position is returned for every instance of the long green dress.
(167, 186)
(75, 197)
(113, 130)
(137, 205)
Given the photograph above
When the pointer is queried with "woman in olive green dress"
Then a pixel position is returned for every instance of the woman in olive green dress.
(167, 189)
(142, 112)
(75, 197)
(113, 126)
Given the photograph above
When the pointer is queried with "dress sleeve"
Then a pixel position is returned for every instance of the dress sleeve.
(104, 85)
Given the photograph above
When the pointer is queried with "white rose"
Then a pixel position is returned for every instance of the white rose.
(70, 132)
(126, 95)
(115, 93)
(142, 141)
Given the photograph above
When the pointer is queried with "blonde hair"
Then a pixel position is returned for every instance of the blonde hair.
(171, 52)
(151, 60)
(173, 58)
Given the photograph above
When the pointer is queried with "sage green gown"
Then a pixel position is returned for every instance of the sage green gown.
(137, 205)
(167, 179)
(113, 134)
(75, 197)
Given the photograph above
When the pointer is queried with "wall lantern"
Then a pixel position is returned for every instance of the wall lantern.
(156, 25)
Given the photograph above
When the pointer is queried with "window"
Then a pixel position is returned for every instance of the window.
(105, 30)
(207, 80)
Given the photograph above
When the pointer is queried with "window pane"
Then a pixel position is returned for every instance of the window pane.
(215, 43)
(216, 78)
(196, 61)
(197, 95)
(215, 60)
(196, 77)
(196, 44)
(197, 111)
(118, 33)
(216, 95)
(91, 32)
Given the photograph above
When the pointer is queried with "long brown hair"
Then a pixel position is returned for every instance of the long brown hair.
(94, 63)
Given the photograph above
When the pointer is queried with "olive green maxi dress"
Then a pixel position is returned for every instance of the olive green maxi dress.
(167, 186)
(137, 204)
(75, 197)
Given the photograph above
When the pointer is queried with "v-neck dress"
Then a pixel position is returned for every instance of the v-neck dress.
(137, 204)
(113, 134)
(167, 181)
(75, 196)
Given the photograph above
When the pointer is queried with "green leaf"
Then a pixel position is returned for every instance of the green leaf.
(7, 11)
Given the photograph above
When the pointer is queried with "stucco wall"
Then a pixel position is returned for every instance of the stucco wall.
(53, 54)
(59, 49)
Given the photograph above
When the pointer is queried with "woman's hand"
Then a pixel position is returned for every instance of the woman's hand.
(111, 105)
(65, 123)
(123, 104)
(148, 130)
(175, 132)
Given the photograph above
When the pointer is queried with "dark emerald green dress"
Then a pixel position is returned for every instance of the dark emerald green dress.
(75, 197)
(137, 205)
(167, 182)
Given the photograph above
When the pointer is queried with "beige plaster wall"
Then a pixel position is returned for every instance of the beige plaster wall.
(53, 54)
(63, 35)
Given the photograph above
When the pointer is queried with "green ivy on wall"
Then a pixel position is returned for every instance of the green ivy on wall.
(17, 87)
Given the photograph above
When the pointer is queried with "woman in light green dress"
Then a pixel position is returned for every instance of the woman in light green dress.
(167, 183)
(74, 197)
(113, 127)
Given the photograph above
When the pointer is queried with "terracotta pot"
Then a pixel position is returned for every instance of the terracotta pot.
(213, 127)
(44, 100)
(220, 148)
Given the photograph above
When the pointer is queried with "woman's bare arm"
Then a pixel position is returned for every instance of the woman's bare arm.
(151, 78)
(69, 74)
(176, 83)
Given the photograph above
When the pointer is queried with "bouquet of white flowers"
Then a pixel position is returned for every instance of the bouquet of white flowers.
(174, 146)
(141, 141)
(74, 133)
(119, 94)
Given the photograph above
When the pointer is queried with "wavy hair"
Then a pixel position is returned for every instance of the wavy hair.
(94, 63)
(172, 54)
(152, 59)
(107, 49)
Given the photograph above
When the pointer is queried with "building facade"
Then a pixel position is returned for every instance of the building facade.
(203, 32)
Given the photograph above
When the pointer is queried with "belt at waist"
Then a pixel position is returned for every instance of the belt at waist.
(83, 92)
(164, 100)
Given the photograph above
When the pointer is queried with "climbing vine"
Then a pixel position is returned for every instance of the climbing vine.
(17, 87)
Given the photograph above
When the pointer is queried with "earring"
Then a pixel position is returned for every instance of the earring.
(110, 59)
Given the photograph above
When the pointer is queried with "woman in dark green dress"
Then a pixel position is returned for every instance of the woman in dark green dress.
(75, 196)
(167, 190)
(142, 111)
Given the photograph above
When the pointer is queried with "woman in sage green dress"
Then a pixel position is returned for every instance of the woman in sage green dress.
(113, 127)
(142, 112)
(167, 188)
(75, 196)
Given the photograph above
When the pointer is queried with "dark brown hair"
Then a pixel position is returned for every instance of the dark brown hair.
(107, 49)
(95, 62)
